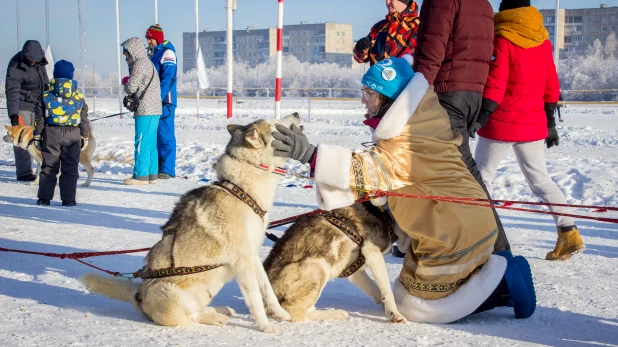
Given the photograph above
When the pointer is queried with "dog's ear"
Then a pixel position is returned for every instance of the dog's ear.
(252, 138)
(8, 128)
(232, 128)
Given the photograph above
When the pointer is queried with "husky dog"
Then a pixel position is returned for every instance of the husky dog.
(211, 227)
(313, 251)
(21, 136)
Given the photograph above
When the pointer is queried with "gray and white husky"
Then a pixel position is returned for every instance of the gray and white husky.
(313, 251)
(213, 227)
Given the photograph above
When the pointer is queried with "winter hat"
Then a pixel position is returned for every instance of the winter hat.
(156, 33)
(407, 2)
(512, 4)
(390, 76)
(63, 69)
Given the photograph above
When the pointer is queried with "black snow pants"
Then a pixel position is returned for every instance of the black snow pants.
(463, 107)
(60, 148)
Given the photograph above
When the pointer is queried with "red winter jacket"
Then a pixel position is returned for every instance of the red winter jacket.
(521, 81)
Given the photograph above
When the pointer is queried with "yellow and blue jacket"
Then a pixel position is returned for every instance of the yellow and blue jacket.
(63, 103)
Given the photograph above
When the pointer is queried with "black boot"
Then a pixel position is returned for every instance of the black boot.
(43, 202)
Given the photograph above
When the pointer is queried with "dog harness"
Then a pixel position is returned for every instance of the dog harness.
(231, 188)
(354, 236)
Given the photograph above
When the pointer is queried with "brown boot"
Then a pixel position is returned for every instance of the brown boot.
(569, 242)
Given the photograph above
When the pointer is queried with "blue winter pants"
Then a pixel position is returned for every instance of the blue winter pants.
(146, 158)
(166, 141)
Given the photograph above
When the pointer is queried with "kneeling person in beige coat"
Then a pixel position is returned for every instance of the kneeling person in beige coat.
(448, 271)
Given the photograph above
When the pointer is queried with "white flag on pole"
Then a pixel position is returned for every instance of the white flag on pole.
(50, 62)
(202, 77)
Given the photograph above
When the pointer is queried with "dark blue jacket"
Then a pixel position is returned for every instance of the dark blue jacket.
(165, 61)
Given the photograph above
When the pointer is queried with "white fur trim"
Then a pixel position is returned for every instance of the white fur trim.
(402, 109)
(459, 304)
(330, 198)
(332, 176)
(333, 166)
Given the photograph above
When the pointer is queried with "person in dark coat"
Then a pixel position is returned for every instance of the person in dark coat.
(61, 131)
(453, 52)
(394, 36)
(26, 80)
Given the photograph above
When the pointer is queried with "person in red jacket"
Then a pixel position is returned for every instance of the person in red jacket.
(455, 42)
(520, 97)
(393, 36)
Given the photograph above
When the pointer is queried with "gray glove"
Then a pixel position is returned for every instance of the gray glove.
(292, 143)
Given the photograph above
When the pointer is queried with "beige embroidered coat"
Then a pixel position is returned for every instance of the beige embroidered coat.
(416, 153)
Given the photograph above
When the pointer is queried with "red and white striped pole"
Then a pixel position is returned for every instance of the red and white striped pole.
(230, 56)
(279, 60)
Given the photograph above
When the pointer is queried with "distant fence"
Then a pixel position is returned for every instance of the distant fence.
(263, 92)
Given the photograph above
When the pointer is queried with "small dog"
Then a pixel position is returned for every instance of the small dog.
(21, 136)
(313, 251)
(212, 227)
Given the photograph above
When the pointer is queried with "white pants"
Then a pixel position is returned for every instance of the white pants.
(531, 160)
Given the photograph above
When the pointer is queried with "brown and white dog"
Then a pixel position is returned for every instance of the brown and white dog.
(22, 137)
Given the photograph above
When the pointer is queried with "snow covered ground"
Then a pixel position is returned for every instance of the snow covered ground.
(42, 303)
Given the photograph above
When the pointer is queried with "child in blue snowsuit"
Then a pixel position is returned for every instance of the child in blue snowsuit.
(163, 57)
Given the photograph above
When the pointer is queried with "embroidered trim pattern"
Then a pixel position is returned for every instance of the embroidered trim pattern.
(441, 287)
(359, 177)
(242, 196)
(371, 170)
(173, 271)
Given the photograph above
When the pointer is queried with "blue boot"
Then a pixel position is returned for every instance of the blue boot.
(518, 277)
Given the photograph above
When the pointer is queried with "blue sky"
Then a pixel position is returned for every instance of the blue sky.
(176, 17)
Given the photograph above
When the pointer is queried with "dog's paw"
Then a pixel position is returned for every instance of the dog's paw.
(85, 184)
(396, 317)
(228, 311)
(34, 183)
(220, 320)
(215, 319)
(280, 314)
(338, 314)
(271, 329)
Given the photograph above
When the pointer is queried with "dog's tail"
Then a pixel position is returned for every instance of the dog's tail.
(114, 288)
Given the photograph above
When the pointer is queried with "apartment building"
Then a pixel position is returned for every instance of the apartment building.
(579, 28)
(314, 43)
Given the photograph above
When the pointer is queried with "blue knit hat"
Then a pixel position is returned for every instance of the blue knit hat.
(390, 76)
(63, 69)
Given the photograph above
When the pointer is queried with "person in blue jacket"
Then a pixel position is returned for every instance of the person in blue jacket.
(163, 56)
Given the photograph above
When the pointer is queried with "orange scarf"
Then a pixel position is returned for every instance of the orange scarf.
(522, 26)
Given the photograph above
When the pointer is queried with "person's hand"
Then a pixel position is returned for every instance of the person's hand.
(125, 80)
(474, 128)
(363, 44)
(552, 138)
(84, 143)
(16, 120)
(36, 139)
(292, 143)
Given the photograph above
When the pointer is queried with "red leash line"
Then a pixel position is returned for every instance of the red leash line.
(76, 256)
(479, 202)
